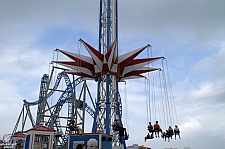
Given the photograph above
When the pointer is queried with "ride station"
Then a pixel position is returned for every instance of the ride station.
(65, 106)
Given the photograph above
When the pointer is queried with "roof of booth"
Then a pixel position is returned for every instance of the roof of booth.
(19, 135)
(41, 128)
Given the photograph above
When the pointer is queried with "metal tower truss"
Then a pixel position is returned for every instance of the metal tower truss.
(105, 30)
(109, 106)
(108, 24)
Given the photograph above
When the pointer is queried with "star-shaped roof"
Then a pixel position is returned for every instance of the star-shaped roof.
(124, 66)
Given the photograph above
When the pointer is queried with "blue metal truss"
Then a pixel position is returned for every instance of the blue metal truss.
(66, 97)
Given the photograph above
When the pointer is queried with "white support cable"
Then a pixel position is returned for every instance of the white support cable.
(126, 107)
(162, 100)
(171, 93)
(147, 107)
(166, 97)
(148, 89)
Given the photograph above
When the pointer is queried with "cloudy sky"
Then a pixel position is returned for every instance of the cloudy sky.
(190, 34)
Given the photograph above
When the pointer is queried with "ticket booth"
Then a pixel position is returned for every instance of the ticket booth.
(39, 137)
(90, 141)
(17, 140)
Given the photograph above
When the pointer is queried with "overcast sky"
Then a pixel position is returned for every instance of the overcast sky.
(190, 34)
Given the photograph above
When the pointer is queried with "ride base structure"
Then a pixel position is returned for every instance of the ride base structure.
(65, 96)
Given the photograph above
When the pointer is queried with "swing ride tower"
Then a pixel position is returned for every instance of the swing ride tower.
(107, 87)
(106, 68)
(108, 107)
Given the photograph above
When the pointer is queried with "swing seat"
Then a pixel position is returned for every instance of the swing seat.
(126, 137)
(151, 130)
(146, 138)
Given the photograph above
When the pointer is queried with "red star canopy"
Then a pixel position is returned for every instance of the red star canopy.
(124, 66)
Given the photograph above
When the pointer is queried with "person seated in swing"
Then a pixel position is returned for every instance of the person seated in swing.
(176, 131)
(170, 132)
(166, 135)
(73, 127)
(116, 125)
(157, 129)
(150, 129)
(122, 131)
(148, 137)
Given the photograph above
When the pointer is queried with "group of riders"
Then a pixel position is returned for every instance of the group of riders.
(116, 126)
(168, 134)
(153, 129)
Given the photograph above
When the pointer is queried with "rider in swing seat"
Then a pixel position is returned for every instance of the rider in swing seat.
(148, 137)
(150, 129)
(177, 131)
(166, 135)
(122, 131)
(170, 132)
(73, 127)
(157, 129)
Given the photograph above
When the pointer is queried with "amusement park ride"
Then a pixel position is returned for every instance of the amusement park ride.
(69, 90)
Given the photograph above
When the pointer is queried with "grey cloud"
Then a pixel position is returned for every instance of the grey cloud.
(39, 14)
(200, 21)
